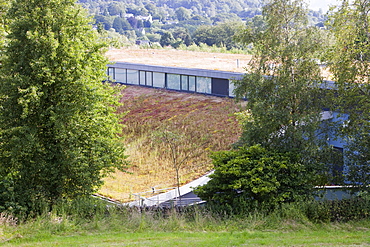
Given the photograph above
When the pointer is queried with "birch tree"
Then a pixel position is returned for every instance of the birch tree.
(282, 85)
(349, 59)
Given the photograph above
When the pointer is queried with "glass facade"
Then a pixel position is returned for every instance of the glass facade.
(189, 83)
(185, 82)
(120, 75)
(159, 79)
(133, 77)
(192, 83)
(231, 88)
(173, 81)
(149, 78)
(111, 74)
(203, 85)
(142, 78)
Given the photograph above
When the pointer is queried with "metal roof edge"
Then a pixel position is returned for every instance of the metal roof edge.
(178, 70)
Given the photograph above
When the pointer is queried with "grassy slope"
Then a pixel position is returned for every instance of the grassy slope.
(196, 116)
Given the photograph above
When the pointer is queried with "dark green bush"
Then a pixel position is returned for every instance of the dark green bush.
(337, 210)
(254, 178)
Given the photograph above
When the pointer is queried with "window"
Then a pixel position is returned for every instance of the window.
(120, 75)
(149, 78)
(110, 73)
(220, 86)
(142, 78)
(192, 83)
(184, 83)
(132, 77)
(337, 164)
(231, 88)
(204, 85)
(173, 81)
(158, 79)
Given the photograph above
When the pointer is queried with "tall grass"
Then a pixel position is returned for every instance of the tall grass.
(90, 216)
(196, 117)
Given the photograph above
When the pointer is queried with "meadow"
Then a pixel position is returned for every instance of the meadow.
(202, 124)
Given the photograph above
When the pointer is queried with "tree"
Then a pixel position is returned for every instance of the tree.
(152, 9)
(117, 25)
(166, 39)
(183, 35)
(179, 147)
(204, 34)
(116, 9)
(348, 59)
(101, 19)
(182, 14)
(219, 35)
(3, 23)
(225, 33)
(133, 22)
(59, 129)
(253, 177)
(121, 25)
(282, 86)
(225, 17)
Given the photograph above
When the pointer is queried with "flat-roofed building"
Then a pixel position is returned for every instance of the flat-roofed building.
(212, 82)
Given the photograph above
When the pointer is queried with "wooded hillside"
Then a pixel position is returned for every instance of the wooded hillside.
(178, 22)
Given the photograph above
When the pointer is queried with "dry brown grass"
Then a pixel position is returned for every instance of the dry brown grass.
(179, 58)
(188, 59)
(192, 114)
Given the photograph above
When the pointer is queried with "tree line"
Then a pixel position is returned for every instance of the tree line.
(196, 21)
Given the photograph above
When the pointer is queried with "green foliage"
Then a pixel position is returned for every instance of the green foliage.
(348, 59)
(183, 35)
(219, 35)
(344, 210)
(182, 14)
(121, 25)
(254, 178)
(166, 39)
(58, 123)
(155, 226)
(170, 14)
(4, 5)
(281, 84)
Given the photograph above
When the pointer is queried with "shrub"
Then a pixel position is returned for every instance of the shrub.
(344, 210)
(254, 177)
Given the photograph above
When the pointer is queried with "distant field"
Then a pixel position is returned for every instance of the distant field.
(188, 59)
(179, 58)
(194, 115)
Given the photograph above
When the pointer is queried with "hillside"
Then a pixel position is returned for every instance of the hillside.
(177, 23)
(149, 110)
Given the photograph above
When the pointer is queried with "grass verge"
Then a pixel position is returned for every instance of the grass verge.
(93, 224)
(223, 234)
